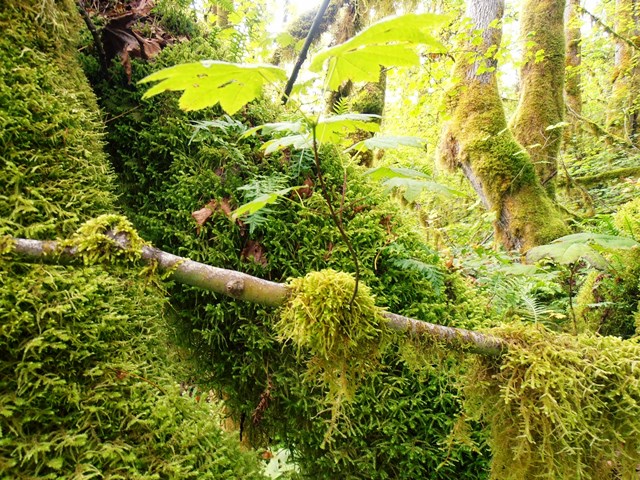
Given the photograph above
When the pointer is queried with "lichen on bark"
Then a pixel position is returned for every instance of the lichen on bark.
(541, 103)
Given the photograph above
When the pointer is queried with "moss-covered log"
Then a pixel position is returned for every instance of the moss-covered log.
(541, 103)
(477, 140)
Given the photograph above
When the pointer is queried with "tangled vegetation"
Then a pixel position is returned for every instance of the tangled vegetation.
(559, 406)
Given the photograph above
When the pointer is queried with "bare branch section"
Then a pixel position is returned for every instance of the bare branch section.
(252, 289)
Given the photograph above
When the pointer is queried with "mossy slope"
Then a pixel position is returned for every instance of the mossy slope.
(85, 377)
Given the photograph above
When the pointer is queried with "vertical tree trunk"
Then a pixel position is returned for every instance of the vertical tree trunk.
(222, 16)
(622, 117)
(477, 140)
(541, 102)
(573, 61)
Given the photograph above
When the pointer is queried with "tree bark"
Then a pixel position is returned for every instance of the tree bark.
(245, 287)
(477, 140)
(541, 103)
(573, 61)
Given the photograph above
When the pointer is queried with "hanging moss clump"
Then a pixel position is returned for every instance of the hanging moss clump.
(344, 337)
(560, 406)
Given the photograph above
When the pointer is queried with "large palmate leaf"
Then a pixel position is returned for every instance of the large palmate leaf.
(333, 129)
(387, 142)
(581, 246)
(411, 182)
(209, 82)
(391, 42)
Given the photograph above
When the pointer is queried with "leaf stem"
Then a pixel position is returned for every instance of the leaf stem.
(334, 216)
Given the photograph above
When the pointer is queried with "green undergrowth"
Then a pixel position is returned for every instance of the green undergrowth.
(399, 419)
(88, 383)
(559, 406)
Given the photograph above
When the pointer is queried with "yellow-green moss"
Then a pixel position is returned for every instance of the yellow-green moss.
(542, 93)
(560, 406)
(345, 339)
(479, 140)
(93, 243)
(627, 219)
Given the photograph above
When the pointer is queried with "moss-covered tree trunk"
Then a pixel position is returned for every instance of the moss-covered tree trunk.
(573, 61)
(624, 106)
(477, 140)
(541, 104)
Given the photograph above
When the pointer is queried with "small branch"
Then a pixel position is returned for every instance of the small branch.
(604, 176)
(305, 49)
(336, 220)
(601, 130)
(102, 56)
(246, 287)
(606, 27)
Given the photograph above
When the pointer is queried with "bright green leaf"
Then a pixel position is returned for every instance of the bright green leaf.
(209, 82)
(261, 202)
(335, 128)
(413, 188)
(571, 248)
(381, 173)
(391, 42)
(387, 142)
(295, 141)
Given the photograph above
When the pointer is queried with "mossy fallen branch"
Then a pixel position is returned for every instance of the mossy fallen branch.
(227, 282)
(618, 173)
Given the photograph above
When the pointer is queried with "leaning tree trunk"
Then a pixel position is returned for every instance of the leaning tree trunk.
(477, 140)
(573, 61)
(624, 106)
(541, 104)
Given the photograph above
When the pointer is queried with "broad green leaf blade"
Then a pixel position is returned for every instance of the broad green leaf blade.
(333, 129)
(571, 248)
(381, 173)
(389, 43)
(295, 141)
(413, 188)
(210, 82)
(267, 128)
(260, 202)
(387, 142)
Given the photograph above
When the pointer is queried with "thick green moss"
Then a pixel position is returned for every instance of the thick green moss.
(235, 346)
(541, 102)
(560, 406)
(499, 169)
(86, 378)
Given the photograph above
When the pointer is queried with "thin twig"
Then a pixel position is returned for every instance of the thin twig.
(102, 56)
(336, 220)
(305, 49)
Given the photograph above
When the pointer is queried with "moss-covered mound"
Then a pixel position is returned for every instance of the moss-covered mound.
(399, 420)
(560, 406)
(85, 375)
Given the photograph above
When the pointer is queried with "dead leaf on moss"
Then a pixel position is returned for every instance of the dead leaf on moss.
(254, 251)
